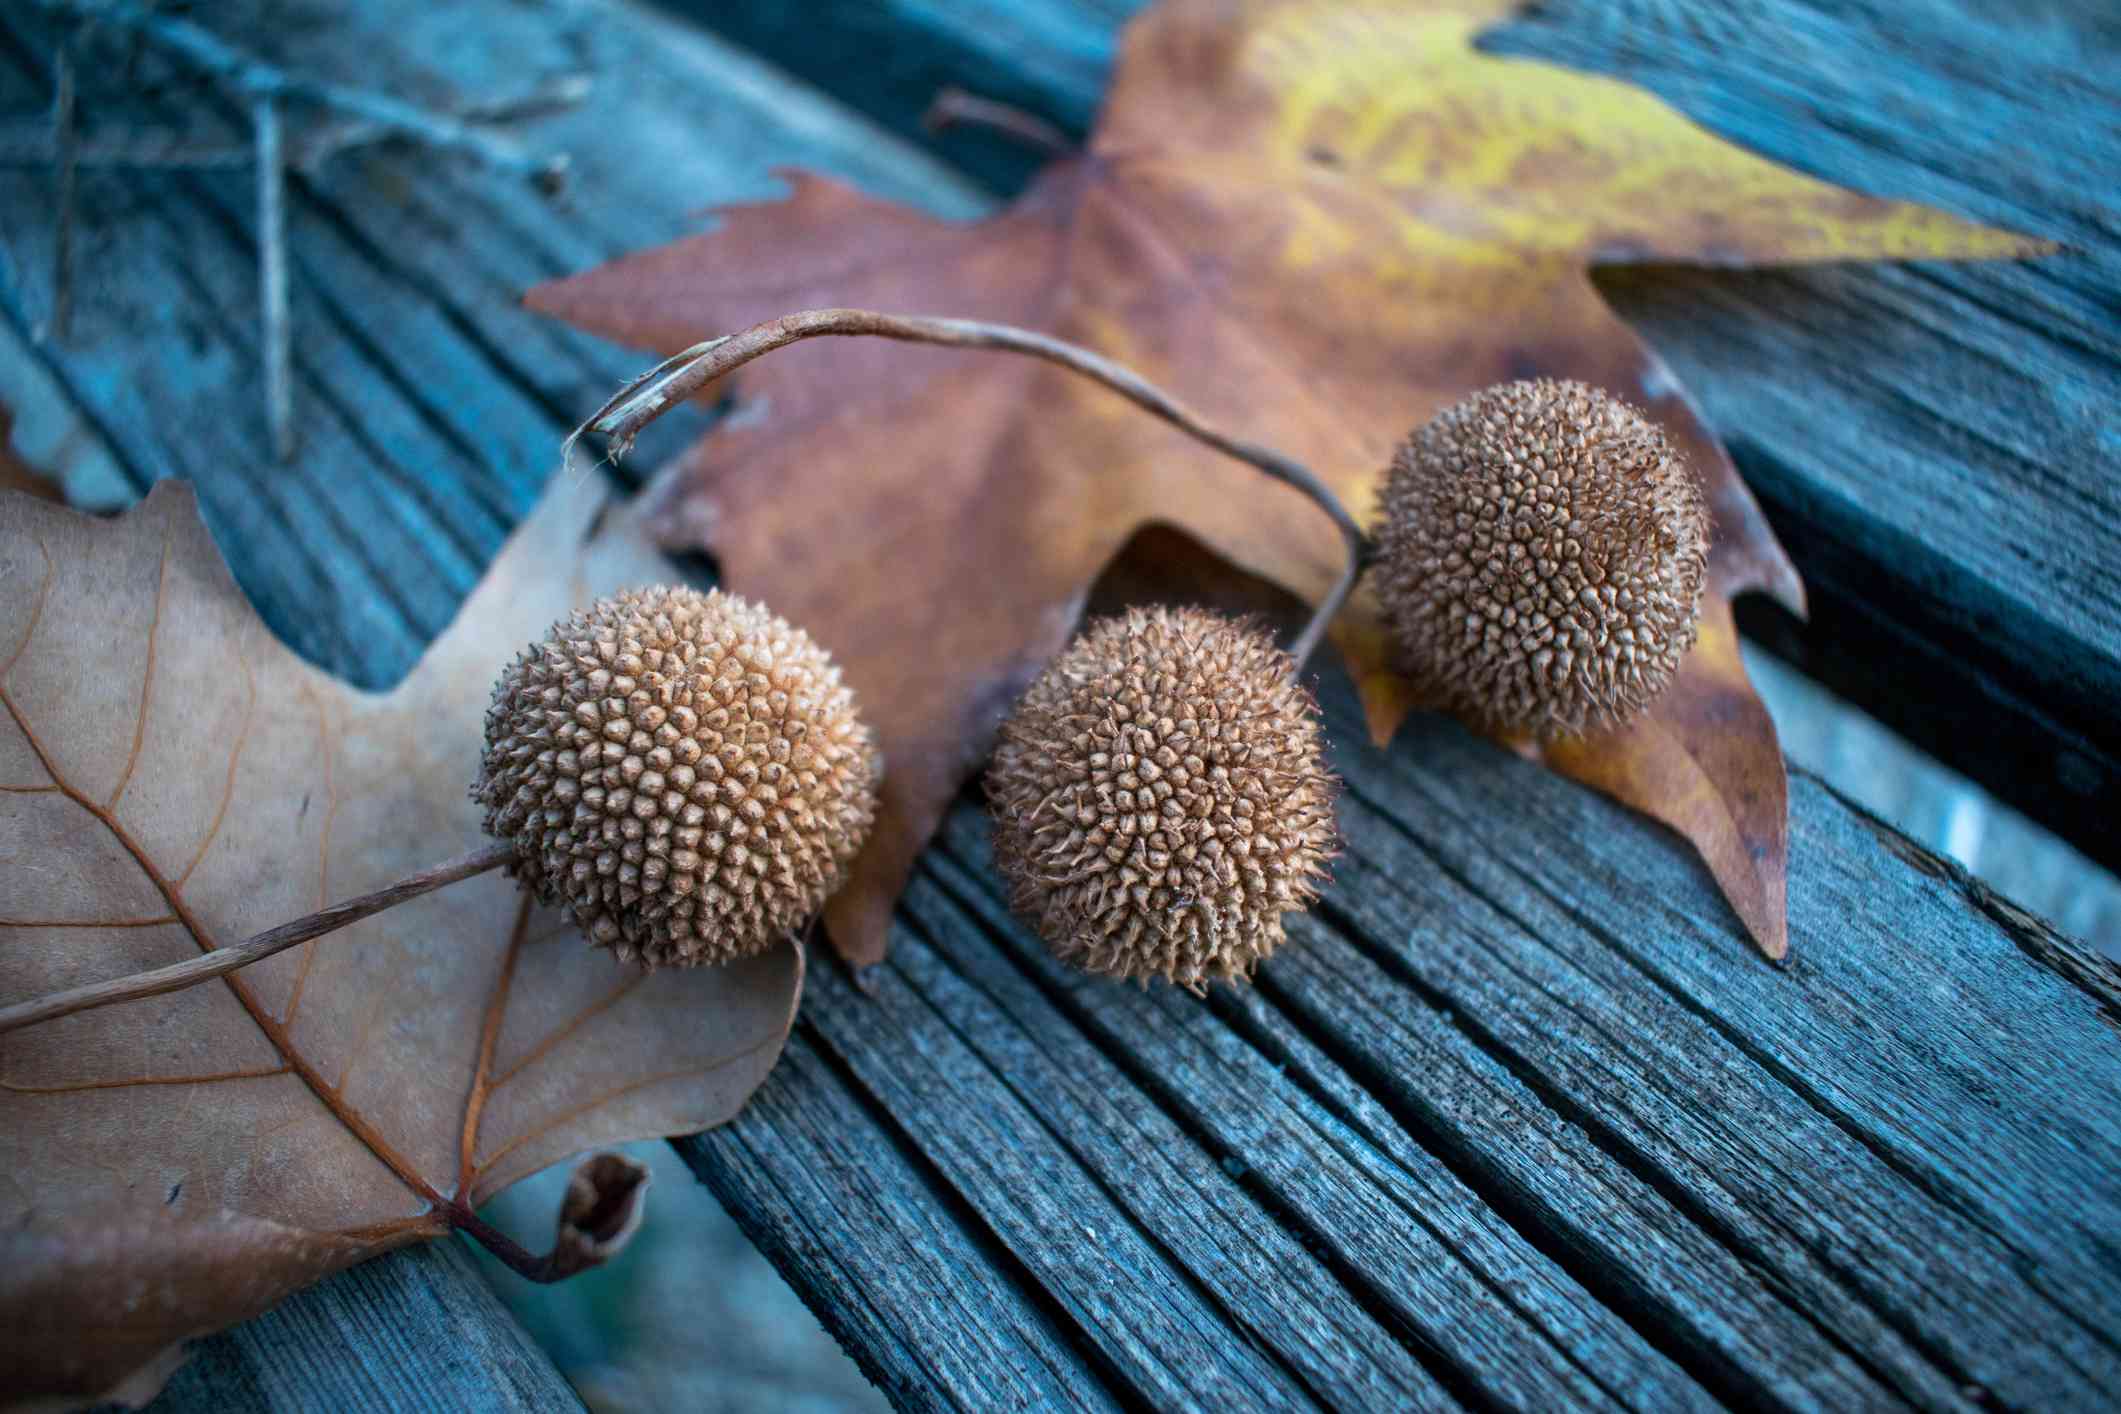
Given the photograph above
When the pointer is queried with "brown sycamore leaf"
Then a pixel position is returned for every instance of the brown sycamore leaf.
(95, 1310)
(1316, 223)
(171, 779)
(1704, 761)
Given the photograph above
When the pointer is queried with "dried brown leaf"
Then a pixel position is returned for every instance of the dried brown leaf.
(1704, 760)
(1316, 222)
(173, 778)
(94, 1311)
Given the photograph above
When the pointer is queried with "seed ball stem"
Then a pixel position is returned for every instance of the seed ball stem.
(677, 378)
(222, 961)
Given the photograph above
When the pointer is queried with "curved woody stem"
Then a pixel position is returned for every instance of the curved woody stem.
(208, 965)
(633, 408)
(956, 107)
(678, 378)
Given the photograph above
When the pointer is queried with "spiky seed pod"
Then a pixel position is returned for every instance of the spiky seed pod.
(1542, 558)
(684, 772)
(1161, 800)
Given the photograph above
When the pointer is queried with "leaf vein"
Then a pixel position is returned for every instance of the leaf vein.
(147, 676)
(574, 1112)
(358, 1051)
(36, 616)
(128, 1082)
(331, 810)
(580, 1019)
(489, 1038)
(228, 789)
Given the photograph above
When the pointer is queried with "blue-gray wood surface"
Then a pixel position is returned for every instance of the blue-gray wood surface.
(420, 1330)
(1518, 1120)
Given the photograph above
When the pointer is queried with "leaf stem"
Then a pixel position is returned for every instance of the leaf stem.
(220, 961)
(512, 1254)
(676, 379)
(955, 107)
(598, 1216)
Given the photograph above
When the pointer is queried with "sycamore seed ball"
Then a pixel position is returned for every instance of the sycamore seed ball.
(1161, 799)
(1542, 558)
(683, 772)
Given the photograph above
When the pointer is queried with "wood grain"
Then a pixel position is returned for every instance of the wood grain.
(1517, 1107)
(420, 1330)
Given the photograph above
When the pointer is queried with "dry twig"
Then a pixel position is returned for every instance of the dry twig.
(253, 79)
(26, 144)
(954, 107)
(207, 965)
(675, 379)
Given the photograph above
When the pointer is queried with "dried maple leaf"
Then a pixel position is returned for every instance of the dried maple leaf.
(171, 779)
(1316, 224)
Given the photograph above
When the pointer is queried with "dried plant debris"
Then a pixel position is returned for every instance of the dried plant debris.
(276, 100)
(174, 779)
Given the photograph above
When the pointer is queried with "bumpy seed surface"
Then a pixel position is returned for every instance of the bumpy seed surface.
(1542, 558)
(1161, 799)
(683, 772)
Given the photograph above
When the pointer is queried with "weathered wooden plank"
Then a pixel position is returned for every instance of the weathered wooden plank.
(1829, 1120)
(1935, 444)
(1521, 1088)
(1495, 1318)
(1156, 1295)
(865, 1230)
(417, 1331)
(430, 404)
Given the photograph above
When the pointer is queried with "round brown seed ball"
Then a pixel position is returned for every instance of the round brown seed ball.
(1161, 800)
(684, 772)
(1541, 558)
